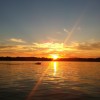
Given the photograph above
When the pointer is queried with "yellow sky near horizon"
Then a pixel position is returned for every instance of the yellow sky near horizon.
(75, 49)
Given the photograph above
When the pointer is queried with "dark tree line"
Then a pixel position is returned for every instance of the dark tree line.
(47, 59)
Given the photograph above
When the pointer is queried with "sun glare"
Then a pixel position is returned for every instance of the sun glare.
(55, 56)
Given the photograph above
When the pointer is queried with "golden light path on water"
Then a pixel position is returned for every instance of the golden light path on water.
(55, 65)
(32, 93)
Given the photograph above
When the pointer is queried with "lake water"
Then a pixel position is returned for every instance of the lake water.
(49, 81)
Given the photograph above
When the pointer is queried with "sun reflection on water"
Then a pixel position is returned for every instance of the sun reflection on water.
(55, 65)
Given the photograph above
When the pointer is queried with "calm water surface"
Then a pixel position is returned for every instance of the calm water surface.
(49, 81)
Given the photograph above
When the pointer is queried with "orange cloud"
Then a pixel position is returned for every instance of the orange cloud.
(52, 46)
(76, 49)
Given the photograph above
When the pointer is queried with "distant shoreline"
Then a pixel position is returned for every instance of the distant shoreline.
(48, 59)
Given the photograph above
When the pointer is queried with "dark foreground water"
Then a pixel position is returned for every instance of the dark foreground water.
(50, 81)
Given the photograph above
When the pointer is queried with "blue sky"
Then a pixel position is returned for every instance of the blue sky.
(40, 21)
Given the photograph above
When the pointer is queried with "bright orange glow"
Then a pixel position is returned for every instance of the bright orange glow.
(55, 56)
(51, 46)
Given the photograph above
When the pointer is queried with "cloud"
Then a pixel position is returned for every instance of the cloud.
(16, 48)
(76, 49)
(65, 30)
(4, 46)
(49, 45)
(89, 45)
(38, 49)
(17, 40)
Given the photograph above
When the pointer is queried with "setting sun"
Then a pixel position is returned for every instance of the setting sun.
(55, 56)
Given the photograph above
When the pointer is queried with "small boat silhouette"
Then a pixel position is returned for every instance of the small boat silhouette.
(38, 63)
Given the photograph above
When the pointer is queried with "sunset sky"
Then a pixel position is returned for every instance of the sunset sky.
(68, 28)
